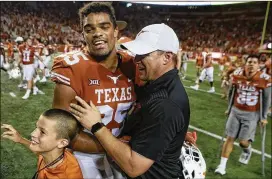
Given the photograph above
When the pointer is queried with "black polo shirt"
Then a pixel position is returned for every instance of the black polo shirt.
(159, 124)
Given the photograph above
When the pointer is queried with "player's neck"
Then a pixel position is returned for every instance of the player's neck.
(49, 157)
(250, 75)
(111, 62)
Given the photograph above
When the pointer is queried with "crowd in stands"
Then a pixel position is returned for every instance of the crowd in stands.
(220, 30)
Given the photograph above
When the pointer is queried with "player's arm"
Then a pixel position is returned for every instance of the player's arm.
(63, 96)
(36, 54)
(13, 135)
(83, 142)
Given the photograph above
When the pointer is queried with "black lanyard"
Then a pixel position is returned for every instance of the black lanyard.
(35, 176)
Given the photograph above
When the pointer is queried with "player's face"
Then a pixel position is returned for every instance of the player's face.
(252, 65)
(29, 42)
(99, 34)
(149, 65)
(44, 137)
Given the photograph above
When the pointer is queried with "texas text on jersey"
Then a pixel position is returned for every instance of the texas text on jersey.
(111, 92)
(247, 96)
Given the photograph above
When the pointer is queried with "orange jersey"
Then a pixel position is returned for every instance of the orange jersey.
(27, 54)
(111, 92)
(69, 168)
(247, 96)
(10, 53)
(39, 48)
(124, 39)
(208, 62)
(200, 61)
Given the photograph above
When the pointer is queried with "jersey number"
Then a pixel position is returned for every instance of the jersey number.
(119, 116)
(26, 55)
(74, 59)
(248, 98)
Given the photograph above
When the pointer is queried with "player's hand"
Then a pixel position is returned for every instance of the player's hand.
(11, 133)
(226, 112)
(263, 122)
(87, 115)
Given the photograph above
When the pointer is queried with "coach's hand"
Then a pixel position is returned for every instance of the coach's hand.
(87, 115)
(11, 133)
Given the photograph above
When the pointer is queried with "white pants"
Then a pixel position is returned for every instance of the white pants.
(184, 66)
(94, 166)
(28, 72)
(207, 72)
(36, 63)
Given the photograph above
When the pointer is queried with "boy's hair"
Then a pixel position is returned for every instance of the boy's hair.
(254, 56)
(67, 125)
(97, 7)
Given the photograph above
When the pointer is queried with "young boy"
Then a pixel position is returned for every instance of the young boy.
(54, 131)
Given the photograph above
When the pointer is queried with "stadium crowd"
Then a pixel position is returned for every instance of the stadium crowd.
(229, 33)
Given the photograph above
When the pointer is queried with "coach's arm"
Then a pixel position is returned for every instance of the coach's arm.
(132, 163)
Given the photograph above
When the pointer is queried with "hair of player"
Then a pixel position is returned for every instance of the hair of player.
(97, 7)
(254, 56)
(67, 125)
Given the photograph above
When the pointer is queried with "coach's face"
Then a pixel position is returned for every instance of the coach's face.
(149, 65)
(99, 34)
(44, 137)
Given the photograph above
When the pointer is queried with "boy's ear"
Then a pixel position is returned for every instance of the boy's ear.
(63, 143)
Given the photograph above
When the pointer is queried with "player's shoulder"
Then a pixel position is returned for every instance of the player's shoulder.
(21, 46)
(264, 76)
(70, 59)
(238, 71)
(125, 55)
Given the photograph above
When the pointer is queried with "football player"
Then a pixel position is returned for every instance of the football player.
(245, 112)
(199, 65)
(207, 71)
(101, 75)
(27, 53)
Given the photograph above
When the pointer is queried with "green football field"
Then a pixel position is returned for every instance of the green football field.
(207, 113)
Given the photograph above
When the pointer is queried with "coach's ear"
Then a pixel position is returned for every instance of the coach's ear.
(63, 143)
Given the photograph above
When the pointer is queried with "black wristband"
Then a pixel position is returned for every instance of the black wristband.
(96, 127)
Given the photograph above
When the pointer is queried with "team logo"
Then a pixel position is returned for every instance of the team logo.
(94, 82)
(114, 78)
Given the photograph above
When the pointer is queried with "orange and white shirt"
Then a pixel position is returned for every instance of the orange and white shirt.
(247, 96)
(112, 92)
(27, 54)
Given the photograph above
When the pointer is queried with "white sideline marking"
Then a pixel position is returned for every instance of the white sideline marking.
(220, 137)
(202, 90)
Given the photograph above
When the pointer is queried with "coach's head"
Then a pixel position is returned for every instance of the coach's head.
(156, 47)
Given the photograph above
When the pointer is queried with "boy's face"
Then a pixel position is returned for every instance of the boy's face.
(44, 137)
